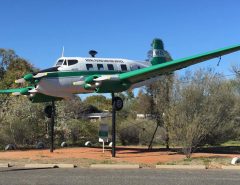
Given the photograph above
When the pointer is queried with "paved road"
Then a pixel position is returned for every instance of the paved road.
(114, 177)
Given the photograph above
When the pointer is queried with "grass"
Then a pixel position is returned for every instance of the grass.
(231, 143)
(206, 161)
(80, 162)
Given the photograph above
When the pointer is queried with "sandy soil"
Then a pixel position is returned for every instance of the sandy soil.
(85, 156)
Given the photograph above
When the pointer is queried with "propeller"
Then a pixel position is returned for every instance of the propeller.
(20, 81)
(88, 83)
(16, 93)
(22, 91)
(27, 77)
(79, 82)
(31, 76)
(91, 82)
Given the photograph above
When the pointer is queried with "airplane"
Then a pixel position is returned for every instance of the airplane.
(77, 75)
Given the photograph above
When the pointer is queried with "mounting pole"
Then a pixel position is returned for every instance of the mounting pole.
(52, 127)
(151, 142)
(113, 127)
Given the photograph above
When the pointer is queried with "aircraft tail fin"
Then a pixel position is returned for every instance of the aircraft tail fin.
(159, 55)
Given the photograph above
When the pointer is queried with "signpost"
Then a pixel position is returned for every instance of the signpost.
(103, 134)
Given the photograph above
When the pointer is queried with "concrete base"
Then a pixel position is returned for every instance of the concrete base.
(4, 165)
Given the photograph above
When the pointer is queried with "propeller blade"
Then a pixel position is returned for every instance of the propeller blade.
(102, 78)
(39, 75)
(16, 93)
(106, 77)
(19, 81)
(79, 82)
(33, 90)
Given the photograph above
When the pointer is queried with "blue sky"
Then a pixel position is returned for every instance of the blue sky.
(37, 30)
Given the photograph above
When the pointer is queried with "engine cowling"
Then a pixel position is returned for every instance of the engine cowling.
(90, 83)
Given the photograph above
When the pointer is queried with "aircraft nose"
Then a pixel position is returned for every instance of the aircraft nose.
(52, 69)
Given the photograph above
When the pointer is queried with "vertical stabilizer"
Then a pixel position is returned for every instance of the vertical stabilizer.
(159, 54)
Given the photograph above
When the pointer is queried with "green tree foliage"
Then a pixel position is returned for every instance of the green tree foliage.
(12, 67)
(99, 101)
(6, 56)
(22, 122)
(201, 110)
(80, 131)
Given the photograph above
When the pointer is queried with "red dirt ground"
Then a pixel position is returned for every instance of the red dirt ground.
(132, 155)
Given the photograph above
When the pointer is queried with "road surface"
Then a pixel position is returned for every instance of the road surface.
(11, 176)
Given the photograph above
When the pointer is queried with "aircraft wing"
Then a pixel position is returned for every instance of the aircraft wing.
(35, 98)
(164, 68)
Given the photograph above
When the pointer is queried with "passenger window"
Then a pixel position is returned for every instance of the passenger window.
(72, 62)
(110, 67)
(100, 67)
(123, 67)
(89, 67)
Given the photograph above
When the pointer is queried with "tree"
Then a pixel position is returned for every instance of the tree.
(99, 101)
(22, 122)
(12, 67)
(6, 56)
(201, 109)
(158, 98)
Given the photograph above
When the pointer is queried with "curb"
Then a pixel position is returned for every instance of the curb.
(66, 165)
(4, 165)
(231, 167)
(115, 166)
(185, 167)
(49, 166)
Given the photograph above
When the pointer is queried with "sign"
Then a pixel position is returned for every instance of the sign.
(103, 133)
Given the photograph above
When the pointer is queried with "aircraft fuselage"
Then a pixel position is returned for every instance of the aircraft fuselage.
(78, 69)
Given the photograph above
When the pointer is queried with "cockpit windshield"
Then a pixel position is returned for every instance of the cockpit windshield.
(59, 63)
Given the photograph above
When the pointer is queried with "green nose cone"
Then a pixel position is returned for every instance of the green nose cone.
(28, 77)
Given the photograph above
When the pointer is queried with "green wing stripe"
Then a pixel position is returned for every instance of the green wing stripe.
(9, 91)
(152, 71)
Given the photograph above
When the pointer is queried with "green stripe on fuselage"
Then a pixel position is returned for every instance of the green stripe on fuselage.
(80, 73)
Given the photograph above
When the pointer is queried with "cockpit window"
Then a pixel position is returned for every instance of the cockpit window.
(59, 63)
(72, 62)
(65, 62)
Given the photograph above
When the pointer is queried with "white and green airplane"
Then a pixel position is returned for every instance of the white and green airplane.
(76, 75)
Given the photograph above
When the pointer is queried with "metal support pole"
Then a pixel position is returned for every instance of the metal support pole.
(113, 127)
(150, 144)
(52, 127)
